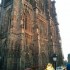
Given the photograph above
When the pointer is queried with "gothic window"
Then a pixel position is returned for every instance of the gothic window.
(17, 49)
(27, 60)
(41, 5)
(41, 27)
(7, 20)
(43, 58)
(26, 22)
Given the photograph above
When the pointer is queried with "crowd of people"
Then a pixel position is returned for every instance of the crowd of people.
(50, 67)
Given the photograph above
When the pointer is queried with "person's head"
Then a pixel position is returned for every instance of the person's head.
(68, 66)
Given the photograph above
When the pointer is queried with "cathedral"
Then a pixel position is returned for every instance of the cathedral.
(29, 34)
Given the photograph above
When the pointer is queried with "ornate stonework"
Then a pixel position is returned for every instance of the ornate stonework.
(29, 34)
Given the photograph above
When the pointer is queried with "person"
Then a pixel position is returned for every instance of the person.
(68, 66)
(49, 67)
(64, 69)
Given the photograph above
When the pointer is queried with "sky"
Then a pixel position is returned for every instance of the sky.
(0, 1)
(63, 17)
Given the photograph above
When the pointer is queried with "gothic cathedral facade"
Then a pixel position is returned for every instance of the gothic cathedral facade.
(29, 34)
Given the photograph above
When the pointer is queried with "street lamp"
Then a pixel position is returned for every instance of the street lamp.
(0, 63)
(55, 60)
(0, 57)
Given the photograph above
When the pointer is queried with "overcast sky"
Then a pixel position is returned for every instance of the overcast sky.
(0, 1)
(63, 16)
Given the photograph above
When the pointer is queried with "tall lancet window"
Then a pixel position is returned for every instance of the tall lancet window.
(41, 4)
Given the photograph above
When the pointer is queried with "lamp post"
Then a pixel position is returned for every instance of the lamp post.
(0, 63)
(54, 60)
(0, 57)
